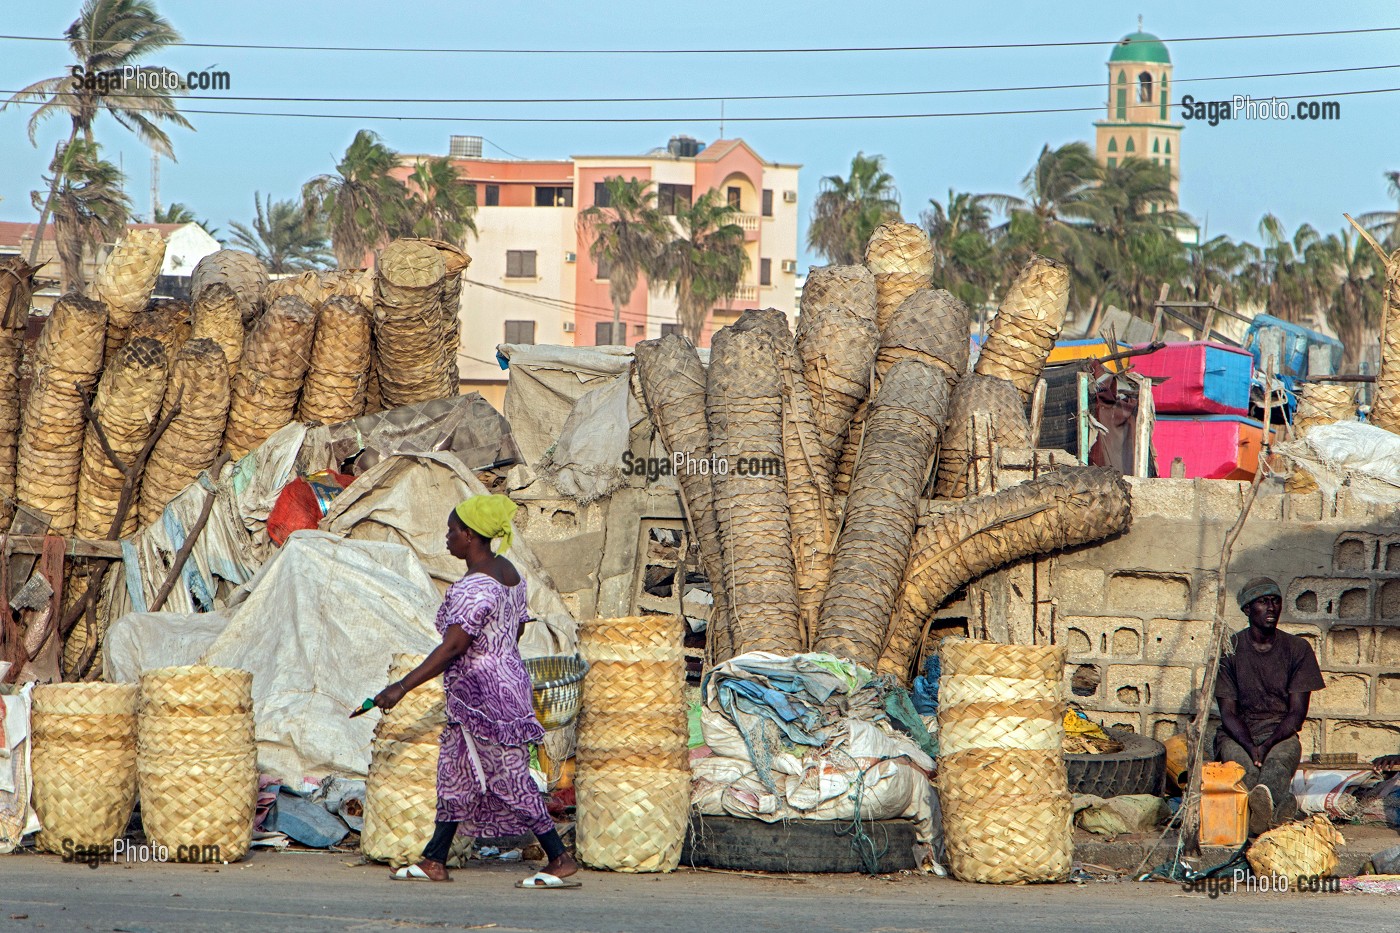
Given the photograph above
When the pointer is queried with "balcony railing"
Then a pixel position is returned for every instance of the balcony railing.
(746, 293)
(747, 222)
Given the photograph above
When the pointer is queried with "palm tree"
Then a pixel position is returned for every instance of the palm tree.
(1056, 205)
(1347, 280)
(177, 213)
(628, 231)
(441, 205)
(1385, 225)
(1281, 276)
(1133, 240)
(848, 210)
(965, 259)
(1221, 263)
(88, 204)
(362, 204)
(283, 237)
(108, 37)
(705, 263)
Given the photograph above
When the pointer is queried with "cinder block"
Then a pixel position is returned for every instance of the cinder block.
(1387, 604)
(1078, 590)
(1348, 647)
(1388, 647)
(1219, 500)
(1172, 641)
(1367, 738)
(1309, 633)
(1354, 553)
(1345, 694)
(1100, 636)
(1390, 554)
(1303, 507)
(1149, 591)
(1166, 689)
(1310, 736)
(1164, 727)
(1084, 683)
(1350, 507)
(1388, 695)
(1130, 721)
(1168, 498)
(1328, 598)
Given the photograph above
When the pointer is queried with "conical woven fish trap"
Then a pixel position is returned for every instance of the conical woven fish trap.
(931, 325)
(83, 760)
(631, 819)
(276, 355)
(126, 280)
(196, 690)
(165, 320)
(217, 316)
(308, 286)
(744, 407)
(850, 288)
(673, 384)
(200, 804)
(1031, 725)
(241, 273)
(400, 802)
(1027, 325)
(988, 658)
(1009, 842)
(1385, 402)
(1318, 403)
(16, 291)
(1307, 849)
(882, 511)
(1001, 403)
(410, 357)
(837, 347)
(899, 247)
(989, 774)
(340, 355)
(199, 380)
(127, 405)
(619, 687)
(67, 359)
(892, 289)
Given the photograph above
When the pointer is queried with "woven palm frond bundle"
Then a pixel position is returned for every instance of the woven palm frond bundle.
(16, 289)
(242, 273)
(340, 356)
(1027, 325)
(410, 359)
(276, 356)
(165, 320)
(1000, 404)
(199, 382)
(126, 280)
(901, 258)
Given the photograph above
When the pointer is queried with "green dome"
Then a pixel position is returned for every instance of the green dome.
(1140, 47)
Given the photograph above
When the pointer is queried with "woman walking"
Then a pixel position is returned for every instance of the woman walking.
(484, 783)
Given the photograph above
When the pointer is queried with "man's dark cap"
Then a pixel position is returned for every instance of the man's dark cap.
(1256, 588)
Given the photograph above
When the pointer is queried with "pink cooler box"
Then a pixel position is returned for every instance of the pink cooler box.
(1210, 446)
(1201, 378)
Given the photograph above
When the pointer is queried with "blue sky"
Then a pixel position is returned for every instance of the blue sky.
(1232, 173)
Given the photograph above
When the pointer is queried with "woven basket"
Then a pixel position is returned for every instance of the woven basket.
(931, 325)
(241, 273)
(1001, 774)
(651, 637)
(125, 281)
(16, 291)
(218, 316)
(335, 382)
(83, 760)
(199, 379)
(455, 263)
(1027, 325)
(1318, 403)
(166, 320)
(308, 286)
(837, 347)
(410, 357)
(198, 761)
(276, 355)
(557, 684)
(631, 819)
(1385, 401)
(999, 401)
(851, 288)
(1306, 849)
(400, 801)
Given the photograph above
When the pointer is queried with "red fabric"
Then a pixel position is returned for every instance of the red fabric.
(298, 506)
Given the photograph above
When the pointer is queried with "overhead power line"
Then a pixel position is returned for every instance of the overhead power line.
(706, 118)
(714, 98)
(740, 51)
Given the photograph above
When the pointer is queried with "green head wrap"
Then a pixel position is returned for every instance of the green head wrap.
(489, 516)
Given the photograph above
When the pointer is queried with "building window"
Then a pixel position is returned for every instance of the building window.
(639, 330)
(603, 334)
(1112, 144)
(1168, 163)
(520, 264)
(765, 272)
(1144, 88)
(1156, 145)
(1162, 107)
(1128, 146)
(1169, 147)
(767, 202)
(548, 196)
(493, 195)
(669, 329)
(604, 269)
(670, 198)
(732, 194)
(601, 197)
(1121, 110)
(520, 332)
(1112, 162)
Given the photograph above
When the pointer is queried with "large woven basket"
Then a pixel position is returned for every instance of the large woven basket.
(631, 819)
(197, 761)
(558, 688)
(84, 763)
(1001, 777)
(1307, 849)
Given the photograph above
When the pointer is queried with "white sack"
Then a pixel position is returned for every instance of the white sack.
(1362, 456)
(585, 463)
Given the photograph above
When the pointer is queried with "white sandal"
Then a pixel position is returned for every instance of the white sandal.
(543, 879)
(414, 873)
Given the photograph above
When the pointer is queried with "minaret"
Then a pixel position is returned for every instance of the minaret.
(1138, 122)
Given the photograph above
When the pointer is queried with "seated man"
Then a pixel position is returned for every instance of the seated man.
(1265, 680)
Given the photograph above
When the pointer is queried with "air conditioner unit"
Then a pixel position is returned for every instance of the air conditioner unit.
(568, 327)
(789, 197)
(789, 265)
(570, 256)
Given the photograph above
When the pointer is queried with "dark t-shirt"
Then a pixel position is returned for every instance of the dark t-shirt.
(1260, 682)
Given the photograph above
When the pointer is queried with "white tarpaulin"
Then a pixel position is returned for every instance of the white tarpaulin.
(317, 631)
(1362, 456)
(546, 381)
(585, 463)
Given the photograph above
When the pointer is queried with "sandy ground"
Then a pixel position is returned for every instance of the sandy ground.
(313, 891)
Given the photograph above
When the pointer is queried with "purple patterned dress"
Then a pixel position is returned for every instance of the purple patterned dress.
(484, 778)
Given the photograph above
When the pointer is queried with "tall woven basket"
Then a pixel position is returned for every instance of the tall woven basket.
(1001, 774)
(197, 761)
(633, 779)
(401, 793)
(84, 763)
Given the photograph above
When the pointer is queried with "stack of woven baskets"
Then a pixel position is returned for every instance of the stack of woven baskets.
(633, 779)
(1302, 849)
(197, 761)
(1001, 773)
(84, 764)
(401, 793)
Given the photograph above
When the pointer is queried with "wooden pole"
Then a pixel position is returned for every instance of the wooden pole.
(183, 555)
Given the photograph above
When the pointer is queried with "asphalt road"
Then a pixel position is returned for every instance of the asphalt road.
(309, 892)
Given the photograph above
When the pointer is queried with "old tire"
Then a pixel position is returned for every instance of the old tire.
(815, 846)
(1137, 769)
